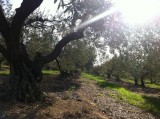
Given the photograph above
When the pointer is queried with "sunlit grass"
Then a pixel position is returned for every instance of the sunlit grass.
(45, 72)
(4, 72)
(5, 66)
(50, 72)
(152, 86)
(145, 102)
(147, 83)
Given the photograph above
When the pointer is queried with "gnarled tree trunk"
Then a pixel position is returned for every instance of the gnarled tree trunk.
(24, 86)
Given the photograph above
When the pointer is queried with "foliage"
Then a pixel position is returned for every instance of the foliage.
(77, 56)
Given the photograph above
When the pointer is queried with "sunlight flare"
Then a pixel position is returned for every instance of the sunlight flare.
(138, 11)
(96, 18)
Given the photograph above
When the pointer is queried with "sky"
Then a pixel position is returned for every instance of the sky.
(48, 5)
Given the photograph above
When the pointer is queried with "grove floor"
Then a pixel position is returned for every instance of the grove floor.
(77, 99)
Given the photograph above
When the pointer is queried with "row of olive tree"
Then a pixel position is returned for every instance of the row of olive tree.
(138, 58)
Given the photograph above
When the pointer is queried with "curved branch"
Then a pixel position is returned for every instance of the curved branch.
(26, 8)
(58, 48)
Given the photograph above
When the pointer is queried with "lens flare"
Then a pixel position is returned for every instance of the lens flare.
(96, 18)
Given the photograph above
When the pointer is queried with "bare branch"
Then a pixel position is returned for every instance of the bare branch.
(26, 8)
(4, 26)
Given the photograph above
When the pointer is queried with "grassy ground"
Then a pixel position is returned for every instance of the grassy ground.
(4, 72)
(147, 83)
(50, 72)
(149, 103)
(45, 72)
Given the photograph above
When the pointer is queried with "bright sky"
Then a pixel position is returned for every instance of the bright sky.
(133, 11)
(48, 5)
(138, 11)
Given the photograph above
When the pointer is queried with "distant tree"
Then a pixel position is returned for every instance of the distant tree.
(75, 56)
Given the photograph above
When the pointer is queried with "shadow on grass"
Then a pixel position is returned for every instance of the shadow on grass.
(3, 74)
(104, 84)
(153, 105)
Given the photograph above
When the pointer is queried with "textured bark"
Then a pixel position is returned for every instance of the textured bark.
(142, 81)
(24, 87)
(136, 82)
(59, 66)
(118, 78)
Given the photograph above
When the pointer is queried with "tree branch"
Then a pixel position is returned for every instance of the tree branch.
(37, 19)
(4, 26)
(58, 48)
(26, 8)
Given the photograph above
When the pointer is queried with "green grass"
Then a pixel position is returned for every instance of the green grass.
(45, 72)
(5, 66)
(151, 104)
(50, 72)
(4, 72)
(147, 83)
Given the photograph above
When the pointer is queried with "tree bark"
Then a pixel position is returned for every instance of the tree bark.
(24, 87)
(59, 66)
(118, 78)
(135, 82)
(142, 81)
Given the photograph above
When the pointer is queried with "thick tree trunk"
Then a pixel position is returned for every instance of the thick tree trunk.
(151, 81)
(142, 81)
(24, 76)
(59, 66)
(108, 76)
(118, 78)
(135, 82)
(24, 86)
